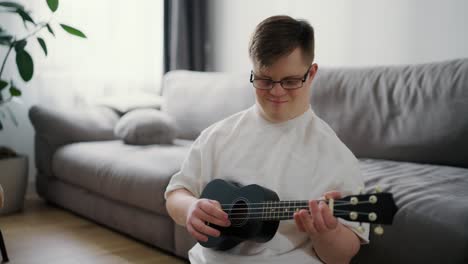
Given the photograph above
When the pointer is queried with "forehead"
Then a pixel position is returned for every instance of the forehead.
(292, 64)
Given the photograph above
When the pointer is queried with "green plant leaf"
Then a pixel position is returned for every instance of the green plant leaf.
(53, 5)
(19, 46)
(12, 5)
(73, 31)
(25, 16)
(25, 65)
(5, 40)
(50, 29)
(43, 45)
(15, 91)
(3, 84)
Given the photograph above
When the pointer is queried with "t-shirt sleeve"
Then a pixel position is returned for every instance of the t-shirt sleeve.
(189, 176)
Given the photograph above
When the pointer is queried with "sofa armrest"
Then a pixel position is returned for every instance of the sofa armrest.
(60, 127)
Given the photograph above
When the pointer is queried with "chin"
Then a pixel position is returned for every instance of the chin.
(276, 116)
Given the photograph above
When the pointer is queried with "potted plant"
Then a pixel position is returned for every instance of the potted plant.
(13, 166)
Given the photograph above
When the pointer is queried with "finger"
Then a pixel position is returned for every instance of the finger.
(197, 235)
(332, 194)
(211, 219)
(299, 223)
(213, 209)
(216, 203)
(330, 221)
(201, 227)
(317, 215)
(308, 222)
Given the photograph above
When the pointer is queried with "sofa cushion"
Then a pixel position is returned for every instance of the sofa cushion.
(430, 226)
(146, 127)
(134, 175)
(199, 99)
(67, 125)
(411, 113)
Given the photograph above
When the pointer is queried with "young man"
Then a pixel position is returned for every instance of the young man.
(278, 143)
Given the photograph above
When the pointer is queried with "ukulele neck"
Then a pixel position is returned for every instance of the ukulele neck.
(281, 210)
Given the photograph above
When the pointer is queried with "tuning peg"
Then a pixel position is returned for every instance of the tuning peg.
(373, 199)
(372, 216)
(378, 230)
(360, 229)
(361, 190)
(378, 189)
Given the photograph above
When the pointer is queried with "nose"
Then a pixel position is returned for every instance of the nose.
(277, 90)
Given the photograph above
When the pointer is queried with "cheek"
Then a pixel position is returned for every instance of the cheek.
(295, 94)
(261, 93)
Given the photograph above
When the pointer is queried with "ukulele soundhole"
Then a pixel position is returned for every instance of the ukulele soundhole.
(239, 212)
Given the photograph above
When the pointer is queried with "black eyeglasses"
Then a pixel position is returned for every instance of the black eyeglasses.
(288, 84)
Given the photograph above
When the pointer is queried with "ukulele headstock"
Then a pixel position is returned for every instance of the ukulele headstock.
(375, 208)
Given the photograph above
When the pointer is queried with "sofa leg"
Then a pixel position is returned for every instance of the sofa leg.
(3, 249)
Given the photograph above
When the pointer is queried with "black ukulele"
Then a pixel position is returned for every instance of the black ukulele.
(255, 211)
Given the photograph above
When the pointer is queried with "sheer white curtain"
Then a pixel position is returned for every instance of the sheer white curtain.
(120, 61)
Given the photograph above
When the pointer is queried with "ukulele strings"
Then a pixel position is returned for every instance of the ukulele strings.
(285, 206)
(286, 212)
(287, 217)
(297, 201)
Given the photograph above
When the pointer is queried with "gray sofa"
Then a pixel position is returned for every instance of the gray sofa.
(408, 125)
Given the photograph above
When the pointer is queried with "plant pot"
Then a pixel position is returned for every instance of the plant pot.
(14, 180)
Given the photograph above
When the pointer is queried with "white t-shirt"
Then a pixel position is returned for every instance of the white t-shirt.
(299, 159)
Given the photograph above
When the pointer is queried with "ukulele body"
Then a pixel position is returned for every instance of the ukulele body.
(245, 219)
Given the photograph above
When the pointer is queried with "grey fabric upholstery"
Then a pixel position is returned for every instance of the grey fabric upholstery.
(55, 128)
(133, 175)
(63, 126)
(410, 113)
(199, 99)
(430, 226)
(146, 127)
(146, 226)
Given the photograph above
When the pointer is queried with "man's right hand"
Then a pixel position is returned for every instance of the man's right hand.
(204, 211)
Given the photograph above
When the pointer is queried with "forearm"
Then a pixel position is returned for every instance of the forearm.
(337, 246)
(178, 203)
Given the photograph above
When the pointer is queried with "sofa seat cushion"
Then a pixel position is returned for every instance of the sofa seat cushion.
(430, 226)
(134, 175)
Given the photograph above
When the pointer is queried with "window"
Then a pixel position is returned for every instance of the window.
(121, 58)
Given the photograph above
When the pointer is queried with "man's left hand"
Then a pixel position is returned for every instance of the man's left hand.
(320, 220)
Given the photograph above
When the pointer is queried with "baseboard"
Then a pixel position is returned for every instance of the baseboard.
(31, 192)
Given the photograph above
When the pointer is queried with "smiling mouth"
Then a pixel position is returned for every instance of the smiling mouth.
(277, 101)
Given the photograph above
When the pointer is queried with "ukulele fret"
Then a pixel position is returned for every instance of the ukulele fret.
(280, 210)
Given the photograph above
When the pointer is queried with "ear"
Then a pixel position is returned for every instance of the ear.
(313, 70)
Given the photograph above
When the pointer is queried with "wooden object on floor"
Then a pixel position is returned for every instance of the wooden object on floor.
(2, 241)
(46, 234)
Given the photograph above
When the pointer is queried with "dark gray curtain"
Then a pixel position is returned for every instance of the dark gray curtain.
(184, 34)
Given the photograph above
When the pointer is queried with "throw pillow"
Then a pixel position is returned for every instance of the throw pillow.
(145, 127)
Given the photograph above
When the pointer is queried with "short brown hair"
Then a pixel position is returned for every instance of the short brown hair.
(277, 36)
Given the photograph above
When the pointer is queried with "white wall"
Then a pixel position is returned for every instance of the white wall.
(348, 33)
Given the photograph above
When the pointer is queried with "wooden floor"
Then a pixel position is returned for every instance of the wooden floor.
(47, 234)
